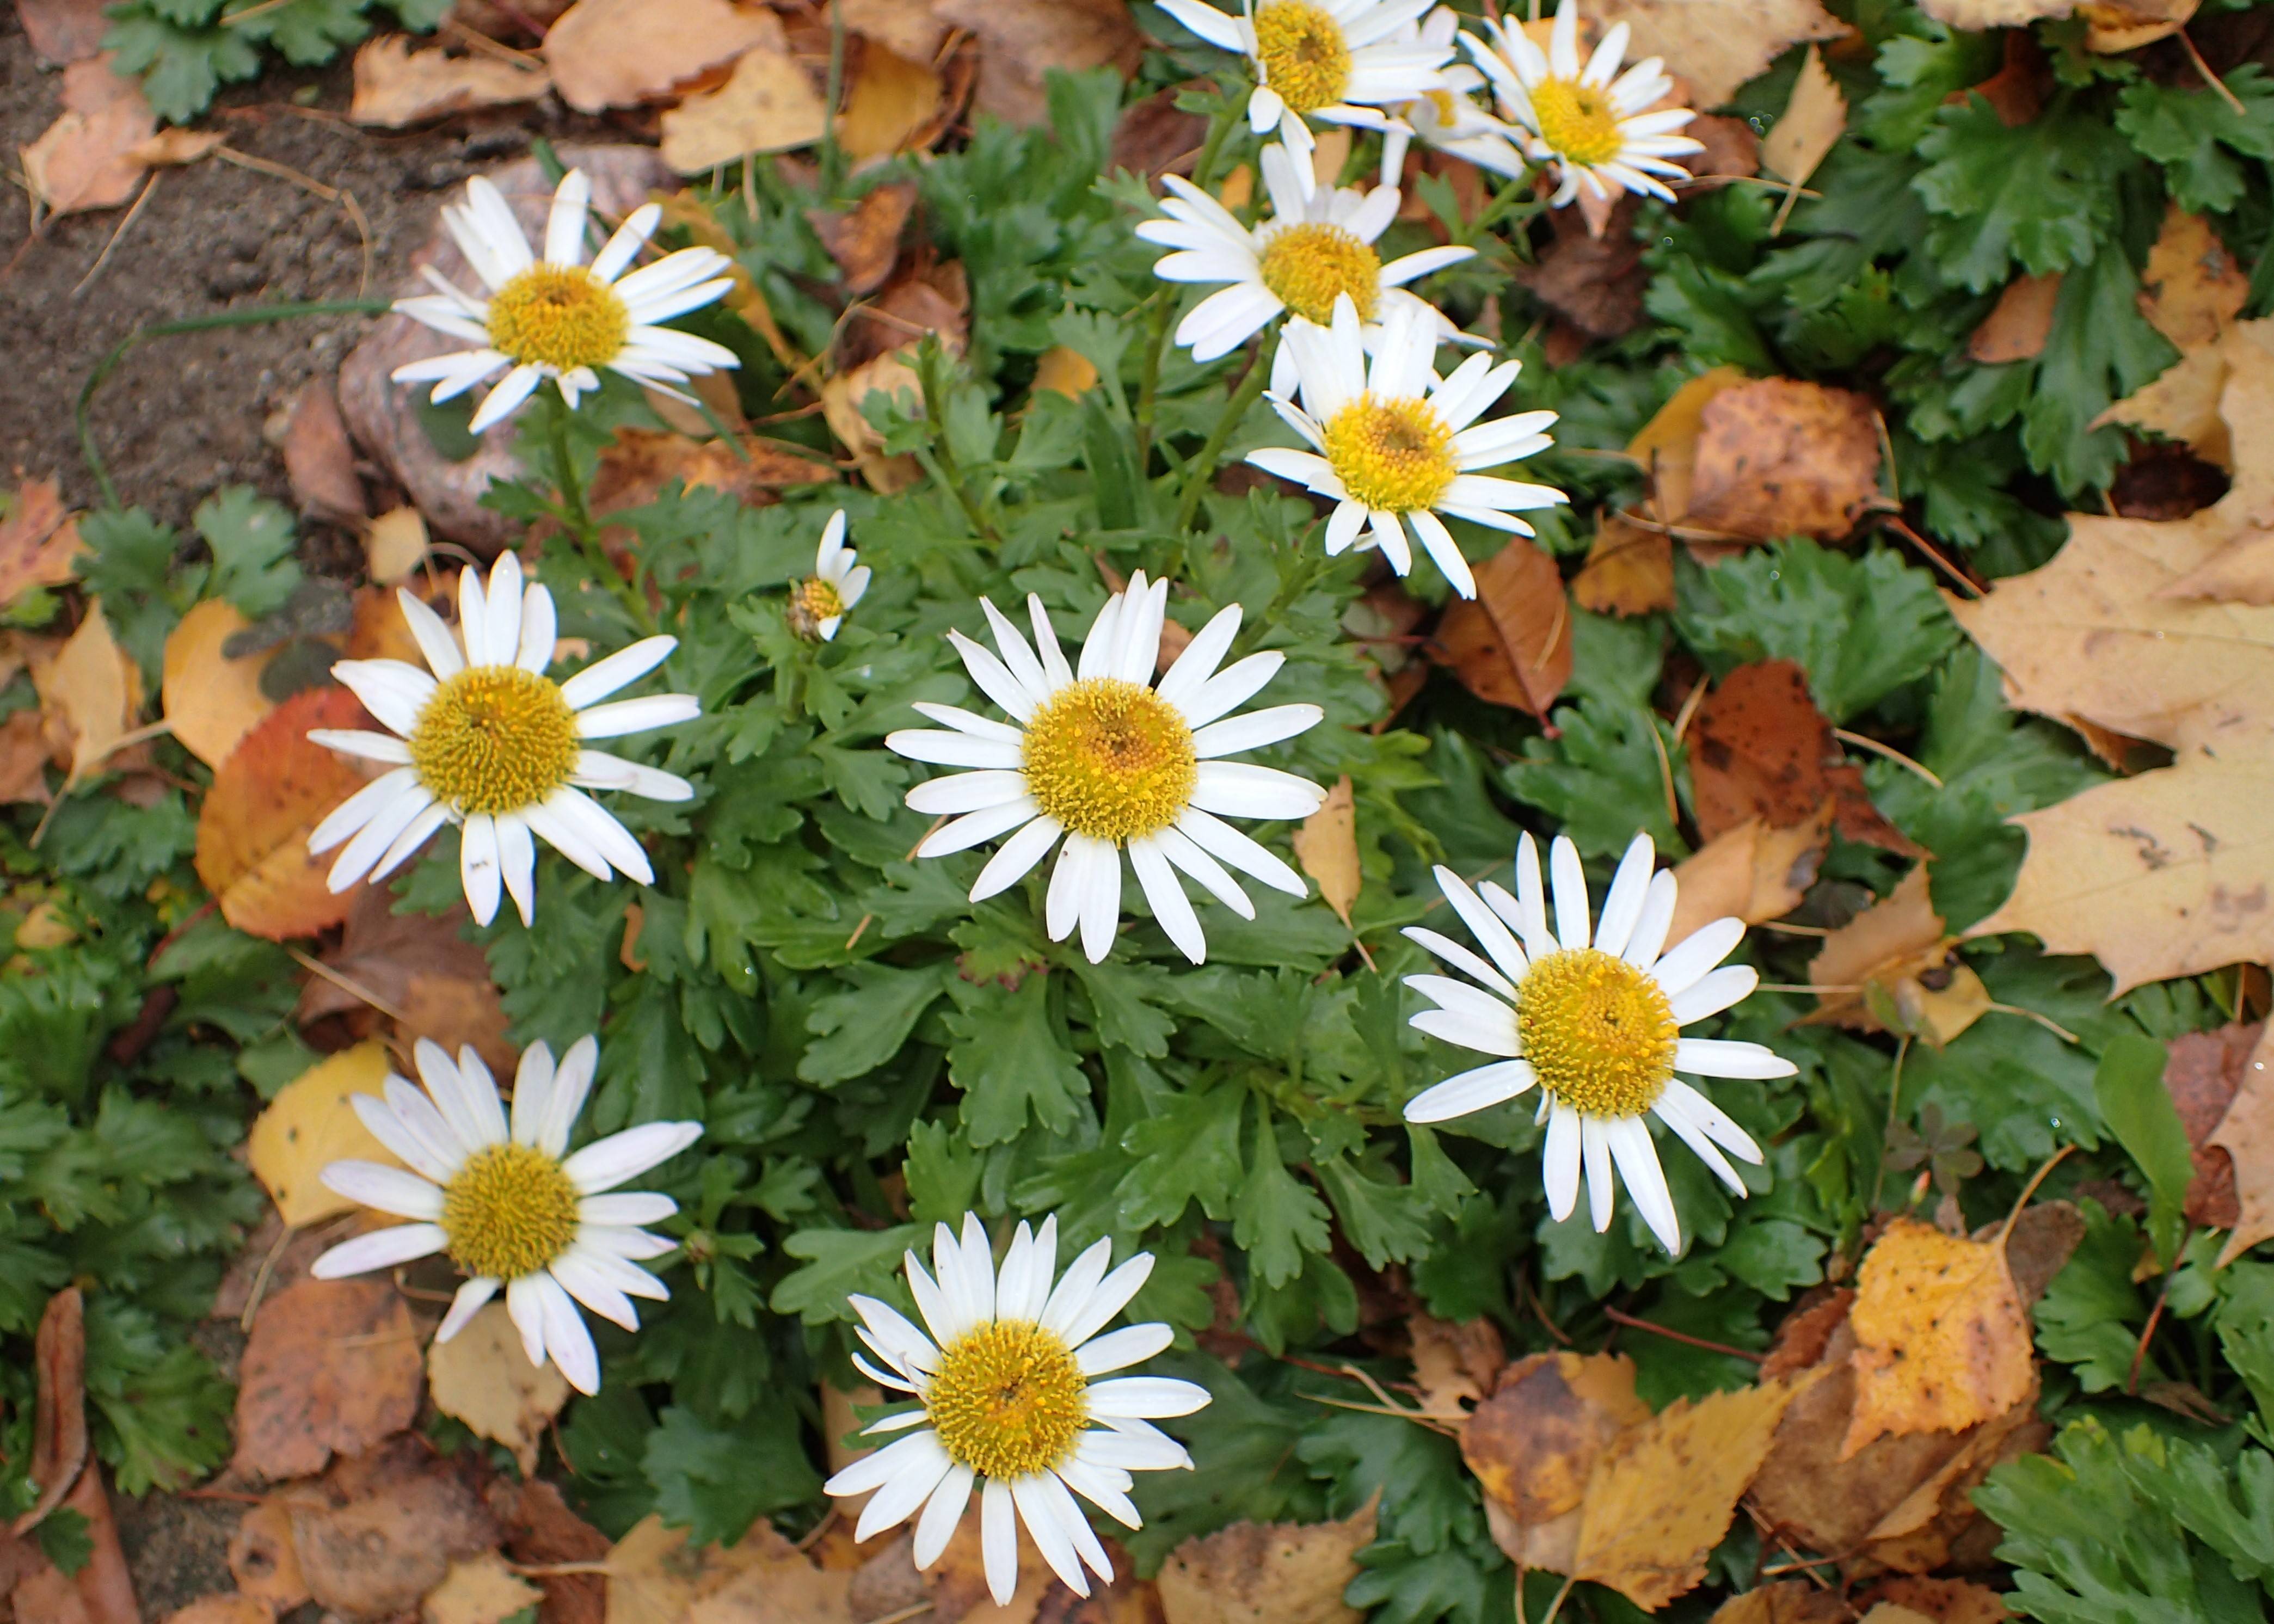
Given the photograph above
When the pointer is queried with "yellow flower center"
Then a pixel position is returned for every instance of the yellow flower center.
(1308, 264)
(812, 601)
(1442, 101)
(1577, 120)
(559, 316)
(1304, 57)
(1008, 1399)
(509, 1212)
(1393, 456)
(1109, 759)
(1598, 1031)
(494, 738)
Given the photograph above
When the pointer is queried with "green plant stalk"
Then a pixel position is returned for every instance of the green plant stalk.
(1202, 469)
(832, 156)
(1148, 382)
(577, 517)
(939, 459)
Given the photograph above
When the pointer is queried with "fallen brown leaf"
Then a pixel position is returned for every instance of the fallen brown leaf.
(909, 28)
(1629, 570)
(318, 459)
(1787, 1601)
(1512, 643)
(889, 102)
(101, 1592)
(1717, 45)
(417, 964)
(174, 146)
(1266, 1573)
(1814, 116)
(1751, 872)
(865, 239)
(638, 463)
(767, 104)
(394, 545)
(2192, 290)
(1327, 846)
(223, 1609)
(1593, 280)
(542, 1533)
(91, 692)
(252, 832)
(311, 1124)
(1780, 457)
(395, 86)
(1896, 958)
(1534, 1443)
(1061, 371)
(1940, 1601)
(80, 162)
(1976, 16)
(24, 759)
(331, 1365)
(619, 53)
(383, 1530)
(1662, 1495)
(2247, 1134)
(1021, 40)
(59, 1440)
(37, 541)
(2017, 326)
(655, 1578)
(842, 395)
(1667, 445)
(263, 1560)
(2113, 27)
(483, 1377)
(2202, 1072)
(210, 700)
(1455, 1363)
(479, 1589)
(1759, 748)
(1942, 1340)
(62, 31)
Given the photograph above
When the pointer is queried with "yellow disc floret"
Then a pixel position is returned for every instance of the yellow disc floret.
(1007, 1399)
(1578, 121)
(509, 1212)
(559, 316)
(1109, 759)
(1308, 264)
(1598, 1031)
(1393, 456)
(1304, 57)
(493, 739)
(812, 601)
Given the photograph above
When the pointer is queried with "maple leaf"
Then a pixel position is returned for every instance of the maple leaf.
(1717, 45)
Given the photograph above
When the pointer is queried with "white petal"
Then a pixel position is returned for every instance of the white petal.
(517, 864)
(523, 1303)
(1117, 1350)
(998, 1540)
(1650, 930)
(1173, 910)
(1714, 991)
(1254, 730)
(1622, 903)
(587, 1281)
(566, 1339)
(431, 1160)
(1570, 889)
(1016, 857)
(1228, 844)
(973, 828)
(477, 865)
(432, 634)
(1559, 1161)
(995, 679)
(380, 1249)
(1645, 1181)
(941, 747)
(1718, 1057)
(389, 1189)
(941, 1513)
(1052, 1539)
(621, 669)
(572, 1080)
(1595, 1149)
(470, 1299)
(625, 1208)
(505, 397)
(968, 792)
(920, 1465)
(1145, 1396)
(635, 716)
(605, 1163)
(1470, 1091)
(1242, 789)
(1698, 952)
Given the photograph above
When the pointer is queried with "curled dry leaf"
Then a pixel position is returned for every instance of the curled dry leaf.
(1533, 1444)
(1942, 1340)
(1512, 643)
(331, 1365)
(395, 86)
(909, 28)
(865, 239)
(173, 148)
(383, 1530)
(311, 1124)
(1894, 959)
(483, 1377)
(2113, 27)
(1327, 846)
(253, 833)
(1758, 747)
(90, 693)
(80, 161)
(210, 700)
(2017, 326)
(2186, 401)
(2202, 1072)
(768, 104)
(1780, 457)
(1266, 1573)
(59, 1441)
(2247, 1134)
(620, 53)
(318, 460)
(1751, 872)
(38, 541)
(480, 1589)
(1717, 45)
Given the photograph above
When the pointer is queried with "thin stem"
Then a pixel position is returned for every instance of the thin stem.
(832, 156)
(1148, 383)
(1895, 1100)
(939, 459)
(1203, 468)
(1219, 127)
(577, 517)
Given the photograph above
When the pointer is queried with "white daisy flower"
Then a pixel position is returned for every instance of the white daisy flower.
(508, 1205)
(1339, 61)
(557, 317)
(1317, 247)
(1595, 1022)
(488, 741)
(818, 604)
(1589, 122)
(1394, 445)
(1007, 1393)
(1113, 766)
(1445, 117)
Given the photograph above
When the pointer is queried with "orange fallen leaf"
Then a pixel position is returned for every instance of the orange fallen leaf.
(24, 760)
(655, 1578)
(382, 1530)
(332, 1365)
(210, 700)
(1533, 1444)
(865, 239)
(1894, 957)
(638, 463)
(620, 53)
(80, 161)
(1327, 846)
(174, 146)
(318, 459)
(1809, 127)
(91, 691)
(395, 86)
(1942, 1340)
(1667, 445)
(889, 102)
(1787, 1601)
(2202, 1072)
(262, 1559)
(224, 1609)
(310, 1125)
(2113, 27)
(1758, 747)
(1512, 643)
(1266, 1573)
(768, 104)
(1781, 457)
(253, 833)
(1455, 1363)
(842, 398)
(2017, 326)
(60, 1436)
(479, 1589)
(38, 541)
(2192, 290)
(1751, 872)
(1629, 570)
(1064, 372)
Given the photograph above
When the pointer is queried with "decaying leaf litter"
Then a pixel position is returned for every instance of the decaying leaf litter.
(1905, 598)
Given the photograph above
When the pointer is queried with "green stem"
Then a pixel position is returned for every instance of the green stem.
(832, 156)
(1204, 166)
(1203, 468)
(1149, 385)
(578, 518)
(939, 459)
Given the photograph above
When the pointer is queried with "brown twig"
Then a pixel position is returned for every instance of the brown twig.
(1862, 742)
(1617, 1318)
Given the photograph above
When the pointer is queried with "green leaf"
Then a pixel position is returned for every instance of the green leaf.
(252, 546)
(2041, 195)
(1602, 777)
(1426, 1499)
(307, 32)
(2129, 1089)
(2085, 1319)
(716, 1476)
(1189, 1152)
(1009, 1056)
(1278, 1218)
(862, 1028)
(2195, 134)
(181, 66)
(2099, 349)
(942, 1173)
(838, 1263)
(1861, 626)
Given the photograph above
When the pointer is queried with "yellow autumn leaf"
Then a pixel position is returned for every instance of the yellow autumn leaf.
(210, 700)
(1327, 846)
(1942, 1338)
(311, 1124)
(483, 1377)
